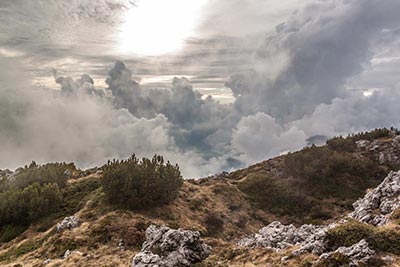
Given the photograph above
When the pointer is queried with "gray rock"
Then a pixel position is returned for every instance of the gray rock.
(362, 144)
(67, 254)
(396, 141)
(357, 253)
(70, 222)
(277, 236)
(67, 174)
(165, 247)
(388, 259)
(377, 205)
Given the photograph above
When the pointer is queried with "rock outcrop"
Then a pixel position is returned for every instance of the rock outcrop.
(377, 205)
(70, 222)
(310, 238)
(357, 253)
(171, 248)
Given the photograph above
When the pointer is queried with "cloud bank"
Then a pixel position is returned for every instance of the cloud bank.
(299, 86)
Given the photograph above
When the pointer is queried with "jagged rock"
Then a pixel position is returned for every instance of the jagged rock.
(165, 247)
(362, 144)
(70, 222)
(357, 253)
(377, 205)
(309, 237)
(396, 141)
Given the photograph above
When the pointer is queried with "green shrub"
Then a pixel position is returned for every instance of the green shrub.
(381, 239)
(23, 206)
(141, 184)
(374, 134)
(10, 232)
(340, 143)
(329, 173)
(274, 196)
(42, 174)
(75, 194)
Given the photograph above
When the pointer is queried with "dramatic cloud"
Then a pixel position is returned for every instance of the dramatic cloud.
(258, 137)
(319, 49)
(328, 70)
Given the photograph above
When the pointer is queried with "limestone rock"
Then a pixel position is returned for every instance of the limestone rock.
(377, 205)
(165, 247)
(362, 144)
(357, 253)
(309, 237)
(70, 222)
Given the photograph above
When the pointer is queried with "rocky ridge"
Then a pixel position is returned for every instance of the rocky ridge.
(374, 208)
(378, 204)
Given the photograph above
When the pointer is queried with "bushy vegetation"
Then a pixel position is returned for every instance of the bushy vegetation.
(42, 174)
(380, 239)
(347, 144)
(329, 173)
(340, 143)
(141, 184)
(374, 134)
(23, 206)
(274, 196)
(29, 195)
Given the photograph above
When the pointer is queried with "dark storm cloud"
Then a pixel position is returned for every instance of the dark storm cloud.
(291, 86)
(319, 49)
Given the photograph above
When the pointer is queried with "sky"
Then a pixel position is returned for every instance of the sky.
(212, 85)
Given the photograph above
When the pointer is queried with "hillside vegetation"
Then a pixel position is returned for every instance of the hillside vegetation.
(119, 200)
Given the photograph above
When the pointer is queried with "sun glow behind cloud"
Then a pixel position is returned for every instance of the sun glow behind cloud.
(155, 27)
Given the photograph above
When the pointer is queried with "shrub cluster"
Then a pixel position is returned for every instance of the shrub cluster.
(140, 184)
(274, 196)
(380, 239)
(329, 173)
(23, 206)
(374, 134)
(347, 144)
(33, 193)
(340, 143)
(42, 174)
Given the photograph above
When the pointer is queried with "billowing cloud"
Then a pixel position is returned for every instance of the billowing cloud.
(300, 82)
(259, 136)
(319, 49)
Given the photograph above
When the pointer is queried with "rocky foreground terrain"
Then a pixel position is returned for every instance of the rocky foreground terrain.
(275, 213)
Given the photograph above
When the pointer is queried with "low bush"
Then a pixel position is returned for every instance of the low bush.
(380, 239)
(23, 206)
(141, 184)
(42, 174)
(374, 134)
(9, 232)
(329, 173)
(274, 196)
(340, 143)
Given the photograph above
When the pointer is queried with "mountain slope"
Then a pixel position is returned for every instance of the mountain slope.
(315, 185)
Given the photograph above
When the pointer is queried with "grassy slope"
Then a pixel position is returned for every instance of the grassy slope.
(217, 207)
